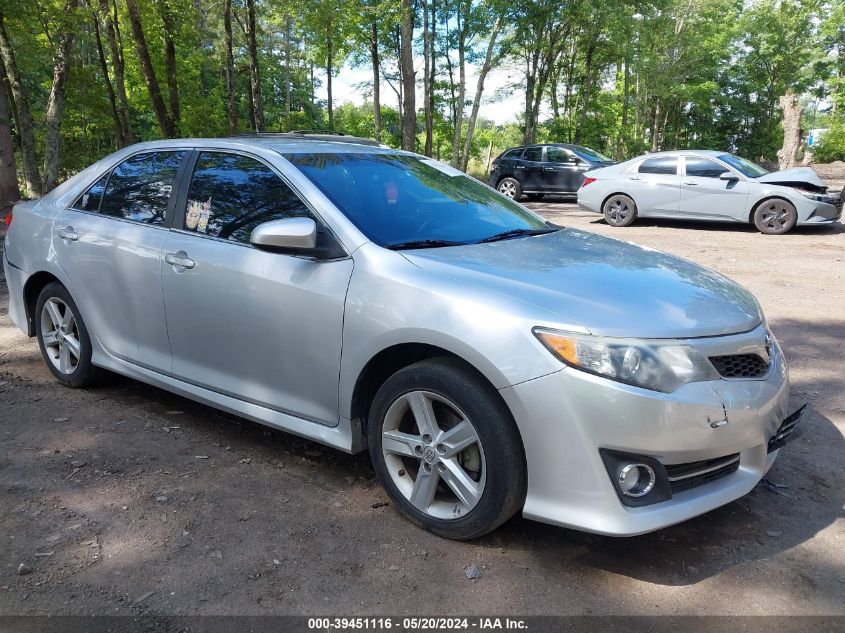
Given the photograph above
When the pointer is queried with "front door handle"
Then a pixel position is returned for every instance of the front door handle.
(179, 259)
(690, 183)
(549, 169)
(67, 233)
(520, 167)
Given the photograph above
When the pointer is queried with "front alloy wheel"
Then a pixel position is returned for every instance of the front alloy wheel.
(433, 454)
(446, 449)
(775, 217)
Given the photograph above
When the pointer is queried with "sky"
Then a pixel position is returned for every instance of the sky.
(498, 108)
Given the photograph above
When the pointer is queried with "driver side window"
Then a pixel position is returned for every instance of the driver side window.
(557, 155)
(231, 194)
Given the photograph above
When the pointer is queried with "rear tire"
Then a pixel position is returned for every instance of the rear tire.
(619, 210)
(510, 188)
(775, 216)
(63, 337)
(446, 449)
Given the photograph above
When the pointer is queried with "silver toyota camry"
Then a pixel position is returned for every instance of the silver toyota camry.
(710, 186)
(372, 299)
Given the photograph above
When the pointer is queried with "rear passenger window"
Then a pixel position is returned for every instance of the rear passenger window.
(139, 188)
(231, 194)
(703, 167)
(659, 166)
(533, 153)
(90, 200)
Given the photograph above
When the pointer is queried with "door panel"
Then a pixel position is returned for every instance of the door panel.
(529, 169)
(259, 326)
(115, 278)
(255, 325)
(655, 187)
(109, 245)
(705, 196)
(561, 173)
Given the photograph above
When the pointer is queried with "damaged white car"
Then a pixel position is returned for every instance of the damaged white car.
(708, 185)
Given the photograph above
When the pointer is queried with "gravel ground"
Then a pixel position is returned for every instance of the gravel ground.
(124, 499)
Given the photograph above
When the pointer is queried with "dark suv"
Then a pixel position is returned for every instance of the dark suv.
(537, 170)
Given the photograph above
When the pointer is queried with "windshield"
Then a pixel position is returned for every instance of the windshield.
(745, 167)
(591, 155)
(397, 199)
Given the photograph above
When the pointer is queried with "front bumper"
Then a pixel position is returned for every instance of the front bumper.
(565, 419)
(825, 212)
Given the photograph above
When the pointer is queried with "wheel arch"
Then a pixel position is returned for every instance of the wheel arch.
(33, 286)
(391, 359)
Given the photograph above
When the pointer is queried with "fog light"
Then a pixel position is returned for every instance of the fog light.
(636, 480)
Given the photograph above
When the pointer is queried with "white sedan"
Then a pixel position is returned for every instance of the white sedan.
(708, 185)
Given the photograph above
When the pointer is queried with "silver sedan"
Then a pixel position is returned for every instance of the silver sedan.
(707, 185)
(377, 300)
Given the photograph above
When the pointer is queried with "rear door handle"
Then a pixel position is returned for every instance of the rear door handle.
(67, 233)
(520, 166)
(549, 169)
(633, 178)
(690, 183)
(179, 259)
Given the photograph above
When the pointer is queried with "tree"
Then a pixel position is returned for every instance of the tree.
(23, 118)
(406, 54)
(165, 122)
(109, 16)
(8, 179)
(231, 112)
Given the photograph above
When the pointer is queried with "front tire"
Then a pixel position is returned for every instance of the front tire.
(775, 217)
(510, 188)
(63, 337)
(446, 449)
(619, 210)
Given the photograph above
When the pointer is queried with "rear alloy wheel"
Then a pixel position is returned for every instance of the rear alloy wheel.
(63, 338)
(446, 450)
(775, 217)
(510, 188)
(619, 210)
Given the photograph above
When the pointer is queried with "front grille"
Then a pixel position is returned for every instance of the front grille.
(693, 474)
(740, 365)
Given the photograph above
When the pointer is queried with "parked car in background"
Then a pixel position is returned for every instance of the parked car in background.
(536, 170)
(708, 185)
(372, 299)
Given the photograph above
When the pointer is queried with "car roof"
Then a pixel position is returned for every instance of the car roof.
(564, 145)
(287, 143)
(685, 152)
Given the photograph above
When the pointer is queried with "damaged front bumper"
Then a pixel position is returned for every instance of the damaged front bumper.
(827, 208)
(708, 442)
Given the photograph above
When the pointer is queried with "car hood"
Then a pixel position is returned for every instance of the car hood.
(606, 286)
(792, 177)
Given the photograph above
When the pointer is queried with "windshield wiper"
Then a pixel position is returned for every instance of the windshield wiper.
(507, 235)
(423, 244)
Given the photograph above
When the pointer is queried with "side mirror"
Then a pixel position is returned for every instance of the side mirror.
(729, 176)
(288, 234)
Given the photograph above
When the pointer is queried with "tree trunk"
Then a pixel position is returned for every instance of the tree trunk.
(409, 109)
(655, 125)
(170, 64)
(9, 193)
(429, 96)
(125, 135)
(164, 121)
(104, 67)
(622, 146)
(427, 44)
(288, 28)
(55, 106)
(231, 112)
(374, 57)
(31, 174)
(479, 89)
(329, 70)
(462, 86)
(586, 86)
(254, 75)
(791, 130)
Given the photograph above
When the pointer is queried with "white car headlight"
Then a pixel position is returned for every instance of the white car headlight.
(660, 365)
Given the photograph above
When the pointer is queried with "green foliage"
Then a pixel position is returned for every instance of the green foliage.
(832, 145)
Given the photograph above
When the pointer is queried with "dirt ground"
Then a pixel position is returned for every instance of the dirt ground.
(124, 499)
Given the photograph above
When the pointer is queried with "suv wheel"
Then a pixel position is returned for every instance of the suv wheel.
(446, 449)
(510, 188)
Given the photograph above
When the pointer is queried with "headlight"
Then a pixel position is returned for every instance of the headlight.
(818, 197)
(661, 365)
